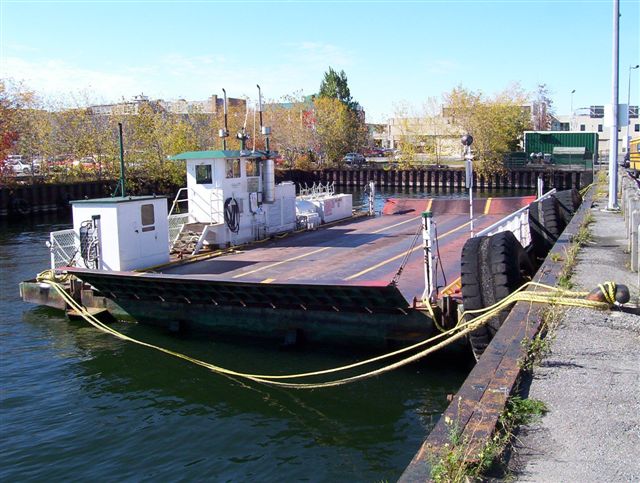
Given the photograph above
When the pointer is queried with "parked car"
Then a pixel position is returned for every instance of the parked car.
(374, 153)
(354, 159)
(15, 165)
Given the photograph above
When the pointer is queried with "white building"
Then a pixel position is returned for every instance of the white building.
(591, 119)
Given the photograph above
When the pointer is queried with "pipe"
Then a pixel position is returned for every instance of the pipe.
(123, 191)
(226, 129)
(260, 105)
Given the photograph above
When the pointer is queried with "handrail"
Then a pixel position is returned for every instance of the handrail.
(176, 200)
(488, 230)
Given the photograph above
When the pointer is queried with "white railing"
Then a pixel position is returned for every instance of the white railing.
(64, 246)
(317, 191)
(517, 223)
(177, 206)
(176, 222)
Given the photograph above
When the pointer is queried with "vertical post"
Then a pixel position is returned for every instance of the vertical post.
(613, 138)
(97, 226)
(122, 175)
(469, 181)
(372, 194)
(429, 259)
(540, 186)
(226, 130)
(467, 141)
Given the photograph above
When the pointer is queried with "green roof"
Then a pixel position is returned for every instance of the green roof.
(115, 199)
(216, 155)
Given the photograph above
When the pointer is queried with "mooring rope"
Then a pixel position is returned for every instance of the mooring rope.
(552, 295)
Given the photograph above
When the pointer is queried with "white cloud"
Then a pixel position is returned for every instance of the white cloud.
(299, 67)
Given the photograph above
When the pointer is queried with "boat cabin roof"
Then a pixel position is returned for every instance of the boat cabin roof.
(115, 199)
(219, 154)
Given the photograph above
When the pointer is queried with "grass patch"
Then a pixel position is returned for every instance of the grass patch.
(458, 465)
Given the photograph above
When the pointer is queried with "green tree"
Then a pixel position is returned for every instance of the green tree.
(335, 85)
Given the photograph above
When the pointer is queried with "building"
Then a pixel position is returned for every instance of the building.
(591, 119)
(212, 105)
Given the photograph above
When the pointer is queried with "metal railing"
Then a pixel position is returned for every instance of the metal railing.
(64, 246)
(517, 223)
(317, 191)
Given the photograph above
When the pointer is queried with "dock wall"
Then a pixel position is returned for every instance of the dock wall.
(441, 178)
(27, 199)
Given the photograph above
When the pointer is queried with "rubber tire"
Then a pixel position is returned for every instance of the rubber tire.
(492, 267)
(568, 203)
(546, 224)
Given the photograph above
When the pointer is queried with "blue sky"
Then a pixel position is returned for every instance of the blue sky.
(392, 52)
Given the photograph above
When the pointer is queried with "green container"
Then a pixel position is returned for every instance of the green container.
(565, 147)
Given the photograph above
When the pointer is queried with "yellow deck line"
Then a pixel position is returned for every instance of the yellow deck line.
(268, 280)
(281, 262)
(419, 247)
(397, 224)
(487, 206)
(451, 285)
(314, 252)
(429, 203)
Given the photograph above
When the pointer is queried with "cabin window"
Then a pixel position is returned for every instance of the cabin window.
(251, 167)
(203, 174)
(233, 168)
(148, 218)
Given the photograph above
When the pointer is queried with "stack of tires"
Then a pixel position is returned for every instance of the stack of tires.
(493, 267)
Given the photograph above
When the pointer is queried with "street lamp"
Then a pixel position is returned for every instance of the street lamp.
(571, 112)
(629, 105)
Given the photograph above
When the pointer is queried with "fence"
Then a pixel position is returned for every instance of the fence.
(631, 209)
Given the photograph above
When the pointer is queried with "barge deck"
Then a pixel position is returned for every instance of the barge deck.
(361, 278)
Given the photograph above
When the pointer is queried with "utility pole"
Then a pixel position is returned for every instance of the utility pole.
(613, 138)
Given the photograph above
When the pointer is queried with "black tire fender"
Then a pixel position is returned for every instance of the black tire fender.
(546, 224)
(568, 202)
(492, 267)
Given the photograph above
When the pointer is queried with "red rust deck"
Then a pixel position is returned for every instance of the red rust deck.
(363, 251)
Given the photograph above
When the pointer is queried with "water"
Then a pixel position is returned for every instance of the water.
(78, 404)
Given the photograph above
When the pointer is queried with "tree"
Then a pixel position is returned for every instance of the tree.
(335, 85)
(332, 128)
(292, 122)
(497, 124)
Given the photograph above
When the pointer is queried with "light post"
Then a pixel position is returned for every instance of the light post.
(466, 141)
(571, 112)
(629, 107)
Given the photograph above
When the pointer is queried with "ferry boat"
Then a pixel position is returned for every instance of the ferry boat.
(238, 254)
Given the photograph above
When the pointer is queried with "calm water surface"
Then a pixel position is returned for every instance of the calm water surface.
(79, 404)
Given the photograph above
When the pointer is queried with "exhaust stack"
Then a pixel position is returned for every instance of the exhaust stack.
(224, 133)
(268, 168)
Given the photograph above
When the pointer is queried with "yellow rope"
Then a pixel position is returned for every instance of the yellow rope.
(609, 291)
(552, 295)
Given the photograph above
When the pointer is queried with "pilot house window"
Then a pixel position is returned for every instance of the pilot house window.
(203, 174)
(251, 167)
(233, 168)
